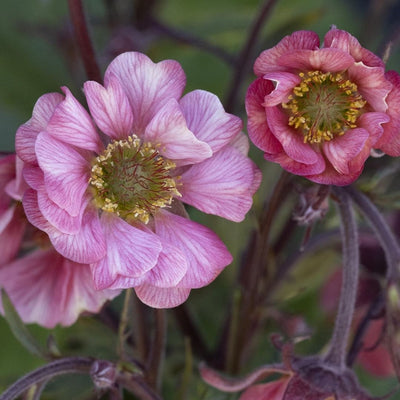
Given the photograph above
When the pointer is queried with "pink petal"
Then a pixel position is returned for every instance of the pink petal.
(48, 289)
(241, 142)
(205, 253)
(168, 129)
(7, 175)
(110, 108)
(291, 140)
(66, 172)
(285, 82)
(71, 124)
(15, 188)
(221, 185)
(87, 246)
(372, 122)
(336, 38)
(207, 119)
(326, 60)
(267, 61)
(131, 252)
(148, 86)
(171, 267)
(33, 176)
(390, 141)
(27, 133)
(295, 167)
(341, 150)
(58, 217)
(257, 125)
(162, 297)
(372, 85)
(12, 228)
(268, 391)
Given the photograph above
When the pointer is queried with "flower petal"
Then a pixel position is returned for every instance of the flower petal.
(110, 108)
(131, 252)
(222, 185)
(343, 149)
(147, 85)
(285, 82)
(162, 297)
(207, 119)
(205, 253)
(336, 38)
(71, 124)
(257, 125)
(325, 60)
(291, 141)
(267, 61)
(66, 172)
(168, 129)
(48, 289)
(27, 133)
(274, 390)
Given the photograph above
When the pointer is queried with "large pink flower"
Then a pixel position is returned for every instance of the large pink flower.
(45, 287)
(318, 112)
(107, 187)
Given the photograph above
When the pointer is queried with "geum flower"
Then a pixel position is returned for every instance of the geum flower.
(110, 195)
(44, 287)
(319, 112)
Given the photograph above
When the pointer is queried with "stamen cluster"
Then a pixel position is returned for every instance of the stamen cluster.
(323, 105)
(132, 180)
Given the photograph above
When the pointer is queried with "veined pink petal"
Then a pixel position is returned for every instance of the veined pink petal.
(257, 125)
(33, 176)
(341, 150)
(221, 185)
(162, 297)
(71, 124)
(7, 174)
(87, 246)
(16, 187)
(48, 289)
(206, 118)
(27, 133)
(336, 38)
(267, 61)
(372, 122)
(12, 229)
(168, 129)
(241, 142)
(291, 141)
(325, 60)
(372, 85)
(149, 86)
(66, 172)
(332, 177)
(110, 108)
(205, 253)
(284, 84)
(59, 218)
(390, 140)
(274, 390)
(131, 252)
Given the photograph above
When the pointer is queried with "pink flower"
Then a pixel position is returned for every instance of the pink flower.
(107, 187)
(319, 112)
(45, 287)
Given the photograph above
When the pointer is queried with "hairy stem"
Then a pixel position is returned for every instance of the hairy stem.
(83, 40)
(338, 345)
(69, 365)
(244, 56)
(383, 232)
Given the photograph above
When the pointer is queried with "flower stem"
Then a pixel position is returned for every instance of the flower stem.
(69, 365)
(123, 324)
(83, 40)
(245, 53)
(383, 232)
(338, 345)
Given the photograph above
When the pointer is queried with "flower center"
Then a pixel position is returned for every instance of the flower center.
(132, 179)
(324, 105)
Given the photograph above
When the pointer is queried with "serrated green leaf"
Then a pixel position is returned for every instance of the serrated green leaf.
(19, 329)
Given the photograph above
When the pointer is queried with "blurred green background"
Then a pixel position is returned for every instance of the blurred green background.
(38, 55)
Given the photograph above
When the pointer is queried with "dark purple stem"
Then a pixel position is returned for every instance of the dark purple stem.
(244, 56)
(83, 40)
(337, 351)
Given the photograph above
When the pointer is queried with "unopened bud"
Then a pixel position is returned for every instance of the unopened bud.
(103, 374)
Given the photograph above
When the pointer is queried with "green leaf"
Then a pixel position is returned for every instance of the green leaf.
(19, 329)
